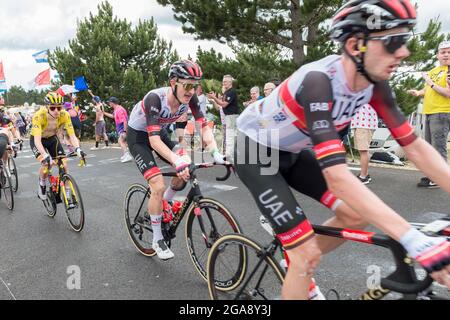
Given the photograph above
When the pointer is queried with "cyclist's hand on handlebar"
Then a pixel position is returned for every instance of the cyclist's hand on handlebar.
(80, 152)
(182, 166)
(218, 157)
(45, 159)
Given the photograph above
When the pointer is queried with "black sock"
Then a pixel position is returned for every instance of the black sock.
(96, 144)
(106, 142)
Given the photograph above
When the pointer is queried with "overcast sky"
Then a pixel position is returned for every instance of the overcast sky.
(28, 26)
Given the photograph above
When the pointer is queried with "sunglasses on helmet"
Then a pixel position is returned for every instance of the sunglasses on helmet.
(188, 86)
(393, 42)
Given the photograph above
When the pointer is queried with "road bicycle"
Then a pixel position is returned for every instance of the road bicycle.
(62, 188)
(207, 219)
(239, 268)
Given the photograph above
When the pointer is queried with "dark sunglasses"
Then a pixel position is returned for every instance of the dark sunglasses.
(393, 42)
(189, 86)
(55, 108)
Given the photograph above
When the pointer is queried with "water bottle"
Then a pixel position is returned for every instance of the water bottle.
(167, 212)
(53, 183)
(176, 207)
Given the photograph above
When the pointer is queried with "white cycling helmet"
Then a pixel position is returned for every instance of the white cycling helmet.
(444, 45)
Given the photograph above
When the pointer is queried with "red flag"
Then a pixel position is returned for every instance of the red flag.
(2, 74)
(43, 78)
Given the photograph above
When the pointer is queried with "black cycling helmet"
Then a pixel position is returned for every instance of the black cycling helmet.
(185, 69)
(368, 16)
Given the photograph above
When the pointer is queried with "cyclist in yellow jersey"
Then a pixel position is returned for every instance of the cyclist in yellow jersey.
(44, 141)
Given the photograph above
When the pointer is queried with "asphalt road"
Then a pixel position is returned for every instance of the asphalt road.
(37, 253)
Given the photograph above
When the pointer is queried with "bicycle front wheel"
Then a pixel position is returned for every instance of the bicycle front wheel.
(204, 228)
(73, 203)
(7, 190)
(13, 171)
(260, 276)
(139, 229)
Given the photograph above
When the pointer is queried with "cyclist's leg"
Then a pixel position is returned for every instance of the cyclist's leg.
(176, 183)
(142, 153)
(277, 203)
(306, 177)
(3, 144)
(44, 169)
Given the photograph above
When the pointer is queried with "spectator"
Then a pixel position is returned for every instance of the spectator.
(436, 106)
(120, 117)
(229, 105)
(20, 124)
(365, 122)
(100, 125)
(254, 96)
(202, 100)
(268, 88)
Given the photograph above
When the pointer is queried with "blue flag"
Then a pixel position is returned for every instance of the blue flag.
(80, 84)
(41, 56)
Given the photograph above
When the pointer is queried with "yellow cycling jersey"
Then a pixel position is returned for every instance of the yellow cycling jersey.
(433, 101)
(40, 122)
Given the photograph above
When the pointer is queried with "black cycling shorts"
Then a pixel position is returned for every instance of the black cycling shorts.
(52, 145)
(271, 191)
(142, 152)
(3, 144)
(181, 125)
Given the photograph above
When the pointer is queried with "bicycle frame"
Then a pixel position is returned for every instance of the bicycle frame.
(403, 280)
(193, 198)
(60, 186)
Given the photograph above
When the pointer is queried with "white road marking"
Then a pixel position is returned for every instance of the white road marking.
(9, 290)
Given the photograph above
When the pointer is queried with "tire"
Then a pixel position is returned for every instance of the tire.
(141, 234)
(75, 215)
(261, 275)
(14, 176)
(50, 204)
(8, 191)
(198, 247)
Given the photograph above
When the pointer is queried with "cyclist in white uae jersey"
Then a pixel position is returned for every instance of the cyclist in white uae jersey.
(309, 110)
(147, 133)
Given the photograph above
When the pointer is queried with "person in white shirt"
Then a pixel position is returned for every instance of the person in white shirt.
(365, 122)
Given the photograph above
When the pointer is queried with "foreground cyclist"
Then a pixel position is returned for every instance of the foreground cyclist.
(147, 132)
(44, 141)
(310, 109)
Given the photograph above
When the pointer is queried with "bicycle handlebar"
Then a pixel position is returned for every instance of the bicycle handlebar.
(194, 167)
(407, 288)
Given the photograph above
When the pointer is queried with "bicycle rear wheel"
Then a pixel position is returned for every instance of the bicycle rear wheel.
(204, 228)
(13, 171)
(7, 190)
(260, 277)
(139, 229)
(73, 203)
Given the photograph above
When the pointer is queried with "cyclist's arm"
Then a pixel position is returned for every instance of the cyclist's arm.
(316, 97)
(421, 153)
(152, 106)
(207, 135)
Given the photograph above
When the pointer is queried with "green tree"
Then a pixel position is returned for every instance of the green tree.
(251, 67)
(116, 58)
(291, 24)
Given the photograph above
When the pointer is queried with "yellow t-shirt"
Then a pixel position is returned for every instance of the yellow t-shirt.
(40, 122)
(434, 102)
